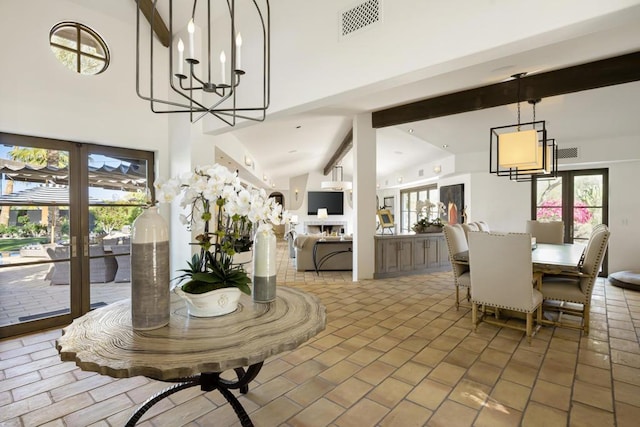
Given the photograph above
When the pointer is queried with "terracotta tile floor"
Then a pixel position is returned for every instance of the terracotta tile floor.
(395, 353)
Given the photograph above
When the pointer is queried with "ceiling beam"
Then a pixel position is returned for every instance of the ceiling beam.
(592, 75)
(342, 150)
(159, 27)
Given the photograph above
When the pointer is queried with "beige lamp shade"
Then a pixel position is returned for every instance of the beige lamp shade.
(322, 213)
(519, 150)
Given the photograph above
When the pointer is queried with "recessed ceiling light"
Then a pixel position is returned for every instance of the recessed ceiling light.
(398, 152)
(445, 145)
(293, 151)
(410, 130)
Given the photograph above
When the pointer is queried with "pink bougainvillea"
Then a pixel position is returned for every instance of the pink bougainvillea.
(552, 211)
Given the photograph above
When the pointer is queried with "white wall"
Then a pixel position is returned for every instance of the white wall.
(40, 97)
(415, 34)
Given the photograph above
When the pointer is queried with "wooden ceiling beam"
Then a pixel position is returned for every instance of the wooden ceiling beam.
(342, 150)
(159, 27)
(592, 75)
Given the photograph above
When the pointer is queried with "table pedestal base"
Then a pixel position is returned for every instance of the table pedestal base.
(208, 381)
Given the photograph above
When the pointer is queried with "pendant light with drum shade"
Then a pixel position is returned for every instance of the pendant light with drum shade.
(522, 150)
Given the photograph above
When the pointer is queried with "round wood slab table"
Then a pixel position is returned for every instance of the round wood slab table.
(192, 351)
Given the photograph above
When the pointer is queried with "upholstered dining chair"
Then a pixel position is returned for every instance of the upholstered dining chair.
(483, 226)
(502, 278)
(457, 242)
(469, 227)
(546, 231)
(571, 293)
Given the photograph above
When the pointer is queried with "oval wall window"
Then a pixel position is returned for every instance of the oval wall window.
(79, 48)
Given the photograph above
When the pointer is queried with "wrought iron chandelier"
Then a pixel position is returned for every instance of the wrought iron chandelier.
(523, 150)
(206, 70)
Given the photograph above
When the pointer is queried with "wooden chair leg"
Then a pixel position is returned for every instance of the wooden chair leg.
(529, 327)
(585, 317)
(474, 316)
(457, 297)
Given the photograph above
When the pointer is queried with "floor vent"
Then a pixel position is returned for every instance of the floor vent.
(568, 153)
(360, 16)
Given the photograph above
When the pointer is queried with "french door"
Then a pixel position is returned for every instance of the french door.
(578, 198)
(65, 222)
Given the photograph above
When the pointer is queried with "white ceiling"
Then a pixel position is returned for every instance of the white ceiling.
(296, 144)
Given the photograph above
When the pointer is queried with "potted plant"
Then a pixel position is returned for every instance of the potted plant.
(427, 210)
(213, 195)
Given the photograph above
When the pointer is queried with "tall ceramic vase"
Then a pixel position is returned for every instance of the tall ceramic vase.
(264, 266)
(149, 271)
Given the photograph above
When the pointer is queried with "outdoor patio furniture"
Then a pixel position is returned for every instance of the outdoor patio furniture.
(123, 274)
(101, 270)
(60, 273)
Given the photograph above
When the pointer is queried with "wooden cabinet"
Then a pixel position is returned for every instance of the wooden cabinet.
(398, 255)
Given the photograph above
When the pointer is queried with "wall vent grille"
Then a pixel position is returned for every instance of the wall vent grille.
(360, 16)
(568, 153)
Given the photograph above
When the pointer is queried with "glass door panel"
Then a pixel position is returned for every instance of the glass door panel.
(549, 200)
(35, 251)
(588, 205)
(118, 185)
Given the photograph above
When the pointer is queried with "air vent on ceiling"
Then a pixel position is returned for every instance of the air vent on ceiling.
(360, 16)
(568, 153)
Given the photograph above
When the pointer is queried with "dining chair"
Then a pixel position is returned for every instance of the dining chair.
(546, 231)
(502, 278)
(469, 227)
(483, 226)
(571, 293)
(457, 242)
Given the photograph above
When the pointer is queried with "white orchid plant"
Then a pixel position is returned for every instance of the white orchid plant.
(214, 193)
(428, 214)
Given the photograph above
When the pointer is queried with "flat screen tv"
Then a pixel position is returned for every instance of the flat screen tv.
(332, 200)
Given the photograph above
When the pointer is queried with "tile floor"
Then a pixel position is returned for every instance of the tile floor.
(395, 353)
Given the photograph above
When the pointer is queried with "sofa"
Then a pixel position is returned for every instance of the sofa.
(332, 255)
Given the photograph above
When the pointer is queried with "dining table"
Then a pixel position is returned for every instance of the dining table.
(547, 258)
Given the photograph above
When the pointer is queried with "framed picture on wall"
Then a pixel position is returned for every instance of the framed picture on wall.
(453, 198)
(389, 203)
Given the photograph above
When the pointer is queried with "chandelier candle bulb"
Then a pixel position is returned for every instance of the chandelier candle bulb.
(238, 50)
(180, 57)
(191, 28)
(223, 60)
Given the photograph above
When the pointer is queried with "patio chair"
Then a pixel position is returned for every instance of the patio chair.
(59, 275)
(457, 242)
(103, 269)
(502, 278)
(571, 293)
(123, 273)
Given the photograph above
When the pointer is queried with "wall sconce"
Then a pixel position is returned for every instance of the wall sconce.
(437, 169)
(296, 194)
(248, 161)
